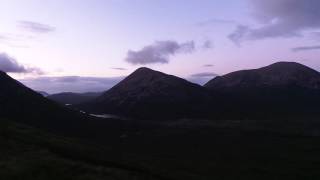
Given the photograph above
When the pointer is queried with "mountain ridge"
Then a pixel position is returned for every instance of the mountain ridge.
(277, 74)
(276, 90)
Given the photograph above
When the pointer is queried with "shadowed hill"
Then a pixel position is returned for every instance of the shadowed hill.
(281, 74)
(23, 105)
(282, 90)
(151, 94)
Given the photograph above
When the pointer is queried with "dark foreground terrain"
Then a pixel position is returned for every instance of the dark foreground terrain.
(175, 150)
(257, 124)
(29, 153)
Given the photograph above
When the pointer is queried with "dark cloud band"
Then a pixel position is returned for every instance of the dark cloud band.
(279, 18)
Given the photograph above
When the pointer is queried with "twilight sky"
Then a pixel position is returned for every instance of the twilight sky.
(59, 45)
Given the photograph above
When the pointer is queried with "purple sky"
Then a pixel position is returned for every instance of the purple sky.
(58, 45)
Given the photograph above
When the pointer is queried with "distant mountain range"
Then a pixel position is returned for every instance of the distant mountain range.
(280, 90)
(73, 98)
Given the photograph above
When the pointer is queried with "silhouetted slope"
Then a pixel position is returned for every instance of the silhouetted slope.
(152, 94)
(281, 74)
(281, 90)
(18, 100)
(73, 98)
(22, 104)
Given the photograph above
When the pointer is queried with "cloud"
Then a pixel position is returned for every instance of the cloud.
(315, 36)
(71, 83)
(3, 38)
(8, 39)
(239, 34)
(159, 52)
(279, 18)
(214, 21)
(204, 74)
(207, 44)
(118, 68)
(15, 40)
(208, 65)
(35, 27)
(10, 65)
(305, 48)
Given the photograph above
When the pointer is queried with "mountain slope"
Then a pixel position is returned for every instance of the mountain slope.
(23, 105)
(282, 90)
(152, 94)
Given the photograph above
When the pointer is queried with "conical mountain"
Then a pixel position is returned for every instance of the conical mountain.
(151, 94)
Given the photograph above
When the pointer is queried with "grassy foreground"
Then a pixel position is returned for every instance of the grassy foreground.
(29, 154)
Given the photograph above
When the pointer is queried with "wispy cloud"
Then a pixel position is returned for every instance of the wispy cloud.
(10, 65)
(16, 40)
(3, 38)
(239, 35)
(119, 68)
(207, 44)
(305, 48)
(215, 21)
(208, 65)
(35, 27)
(204, 74)
(159, 52)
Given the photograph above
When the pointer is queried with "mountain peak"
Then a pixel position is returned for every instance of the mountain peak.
(289, 67)
(286, 63)
(146, 77)
(146, 93)
(144, 71)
